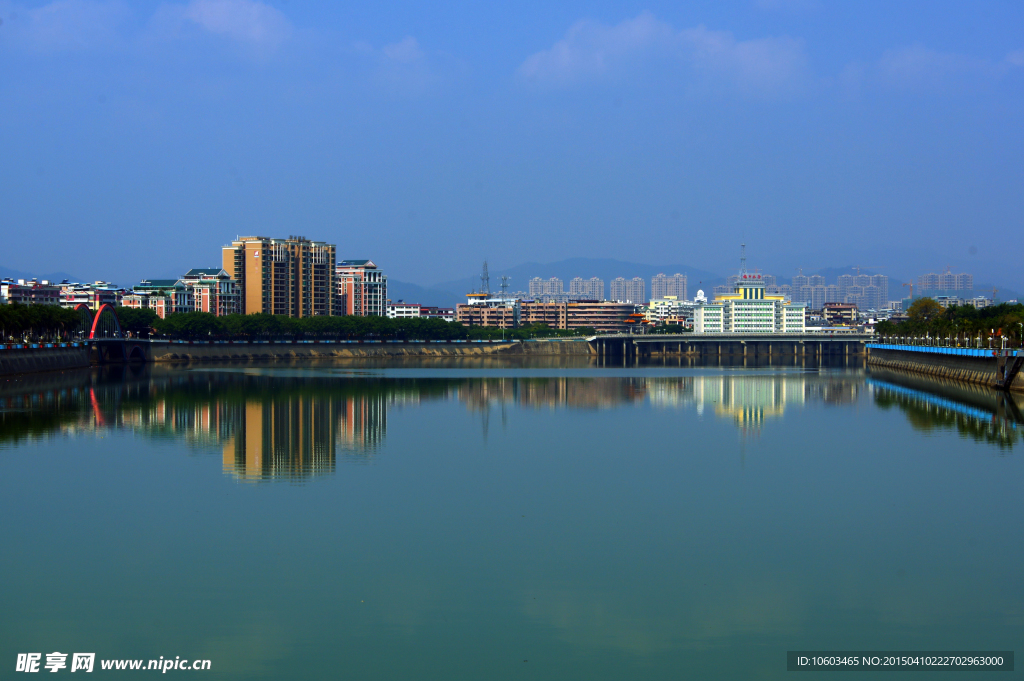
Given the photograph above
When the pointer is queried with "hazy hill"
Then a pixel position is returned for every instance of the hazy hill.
(414, 293)
(6, 272)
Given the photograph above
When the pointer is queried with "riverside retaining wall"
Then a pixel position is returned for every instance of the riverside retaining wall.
(192, 352)
(58, 357)
(973, 366)
(43, 357)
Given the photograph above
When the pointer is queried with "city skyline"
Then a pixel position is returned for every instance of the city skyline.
(867, 291)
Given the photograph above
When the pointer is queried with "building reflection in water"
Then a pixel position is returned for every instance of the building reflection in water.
(930, 404)
(270, 426)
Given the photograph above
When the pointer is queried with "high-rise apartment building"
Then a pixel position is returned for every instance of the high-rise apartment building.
(947, 281)
(863, 290)
(629, 291)
(546, 287)
(362, 289)
(844, 282)
(881, 282)
(293, 277)
(586, 289)
(662, 286)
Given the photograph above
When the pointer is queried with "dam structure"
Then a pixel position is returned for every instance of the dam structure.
(747, 345)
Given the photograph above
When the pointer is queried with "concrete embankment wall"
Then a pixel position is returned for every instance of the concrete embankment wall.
(982, 370)
(31, 360)
(172, 352)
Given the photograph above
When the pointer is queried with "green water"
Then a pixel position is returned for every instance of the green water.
(489, 521)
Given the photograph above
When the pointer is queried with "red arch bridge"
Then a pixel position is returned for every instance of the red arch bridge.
(107, 342)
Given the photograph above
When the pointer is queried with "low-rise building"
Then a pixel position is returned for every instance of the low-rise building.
(93, 295)
(209, 290)
(602, 316)
(213, 291)
(163, 296)
(402, 310)
(431, 312)
(31, 292)
(839, 313)
(660, 310)
(483, 310)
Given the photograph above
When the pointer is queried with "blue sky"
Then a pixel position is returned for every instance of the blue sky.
(140, 137)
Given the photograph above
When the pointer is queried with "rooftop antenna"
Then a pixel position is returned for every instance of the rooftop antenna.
(743, 258)
(504, 284)
(485, 280)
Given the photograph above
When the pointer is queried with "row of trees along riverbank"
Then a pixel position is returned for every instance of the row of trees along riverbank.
(38, 322)
(203, 325)
(962, 323)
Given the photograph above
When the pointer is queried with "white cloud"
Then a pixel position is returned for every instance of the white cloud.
(66, 24)
(920, 65)
(762, 64)
(917, 67)
(592, 51)
(406, 51)
(1015, 58)
(404, 68)
(785, 5)
(242, 20)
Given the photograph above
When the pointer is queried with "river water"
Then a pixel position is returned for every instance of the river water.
(473, 519)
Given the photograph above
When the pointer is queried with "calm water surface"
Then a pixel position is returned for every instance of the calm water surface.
(488, 521)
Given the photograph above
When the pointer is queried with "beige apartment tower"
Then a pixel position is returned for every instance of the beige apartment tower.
(293, 277)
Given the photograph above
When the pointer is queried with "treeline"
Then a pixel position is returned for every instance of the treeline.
(38, 322)
(959, 322)
(203, 325)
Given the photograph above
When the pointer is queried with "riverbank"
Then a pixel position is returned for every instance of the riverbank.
(961, 364)
(201, 352)
(59, 357)
(43, 357)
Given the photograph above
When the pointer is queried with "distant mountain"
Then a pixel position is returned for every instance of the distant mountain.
(1002, 294)
(7, 273)
(604, 268)
(414, 293)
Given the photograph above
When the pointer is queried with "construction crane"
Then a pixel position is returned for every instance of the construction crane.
(911, 285)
